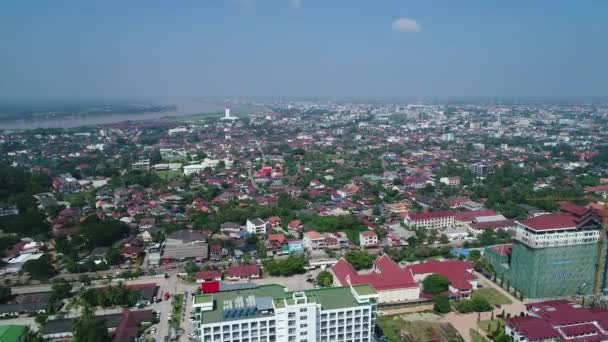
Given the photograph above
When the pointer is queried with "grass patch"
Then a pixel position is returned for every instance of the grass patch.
(493, 296)
(476, 337)
(176, 320)
(489, 326)
(169, 174)
(396, 330)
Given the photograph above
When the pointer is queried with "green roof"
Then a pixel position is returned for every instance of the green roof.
(330, 298)
(11, 333)
(202, 299)
(364, 289)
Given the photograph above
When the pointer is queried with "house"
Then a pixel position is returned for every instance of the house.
(275, 222)
(147, 223)
(147, 293)
(295, 226)
(243, 272)
(349, 190)
(313, 240)
(215, 252)
(211, 275)
(257, 226)
(393, 283)
(431, 220)
(450, 181)
(368, 239)
(460, 274)
(30, 304)
(131, 252)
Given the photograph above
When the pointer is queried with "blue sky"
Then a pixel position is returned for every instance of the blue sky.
(68, 49)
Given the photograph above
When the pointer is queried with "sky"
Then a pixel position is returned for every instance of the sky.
(75, 49)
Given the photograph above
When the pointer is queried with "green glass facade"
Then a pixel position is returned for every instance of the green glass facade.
(548, 272)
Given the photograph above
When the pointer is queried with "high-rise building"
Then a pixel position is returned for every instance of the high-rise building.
(269, 313)
(552, 255)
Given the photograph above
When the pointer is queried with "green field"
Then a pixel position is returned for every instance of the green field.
(493, 296)
(476, 337)
(397, 330)
(169, 174)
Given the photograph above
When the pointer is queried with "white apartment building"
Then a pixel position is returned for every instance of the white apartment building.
(368, 239)
(313, 240)
(269, 313)
(141, 164)
(432, 220)
(450, 181)
(256, 226)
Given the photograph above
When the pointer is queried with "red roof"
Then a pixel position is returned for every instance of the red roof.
(561, 312)
(470, 215)
(580, 329)
(368, 233)
(533, 328)
(280, 238)
(430, 215)
(569, 207)
(494, 224)
(387, 275)
(552, 222)
(209, 275)
(455, 270)
(243, 271)
(127, 328)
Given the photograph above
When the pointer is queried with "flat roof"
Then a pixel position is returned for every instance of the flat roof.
(203, 299)
(330, 298)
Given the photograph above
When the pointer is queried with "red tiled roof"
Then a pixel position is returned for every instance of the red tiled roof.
(430, 215)
(368, 233)
(280, 238)
(243, 271)
(551, 222)
(533, 328)
(494, 224)
(127, 329)
(580, 329)
(569, 207)
(387, 275)
(208, 275)
(470, 215)
(455, 270)
(561, 312)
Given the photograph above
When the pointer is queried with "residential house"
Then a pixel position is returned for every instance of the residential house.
(313, 240)
(257, 226)
(243, 272)
(368, 239)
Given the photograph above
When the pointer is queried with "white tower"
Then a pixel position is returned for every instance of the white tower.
(227, 114)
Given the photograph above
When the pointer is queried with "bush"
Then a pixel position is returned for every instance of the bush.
(477, 304)
(442, 304)
(435, 284)
(290, 266)
(359, 259)
(325, 279)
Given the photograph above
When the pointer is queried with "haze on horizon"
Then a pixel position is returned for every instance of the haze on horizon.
(68, 49)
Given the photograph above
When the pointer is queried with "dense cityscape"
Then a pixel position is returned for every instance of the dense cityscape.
(310, 221)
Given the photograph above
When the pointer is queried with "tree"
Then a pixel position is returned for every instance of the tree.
(443, 239)
(442, 304)
(359, 259)
(191, 267)
(39, 269)
(41, 318)
(87, 329)
(325, 279)
(5, 294)
(61, 290)
(292, 265)
(474, 256)
(435, 284)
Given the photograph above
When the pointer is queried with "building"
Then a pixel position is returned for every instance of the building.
(256, 226)
(392, 283)
(348, 191)
(450, 181)
(7, 210)
(479, 169)
(460, 274)
(313, 240)
(447, 137)
(141, 164)
(559, 320)
(271, 313)
(243, 272)
(368, 239)
(552, 255)
(227, 115)
(431, 220)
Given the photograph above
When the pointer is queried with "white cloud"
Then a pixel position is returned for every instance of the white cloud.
(295, 3)
(404, 24)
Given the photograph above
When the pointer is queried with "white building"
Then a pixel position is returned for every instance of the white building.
(313, 240)
(141, 164)
(450, 181)
(368, 239)
(431, 220)
(270, 313)
(256, 226)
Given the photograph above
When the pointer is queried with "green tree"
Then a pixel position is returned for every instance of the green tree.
(41, 319)
(442, 304)
(435, 284)
(87, 329)
(325, 279)
(359, 259)
(191, 267)
(39, 269)
(61, 290)
(5, 294)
